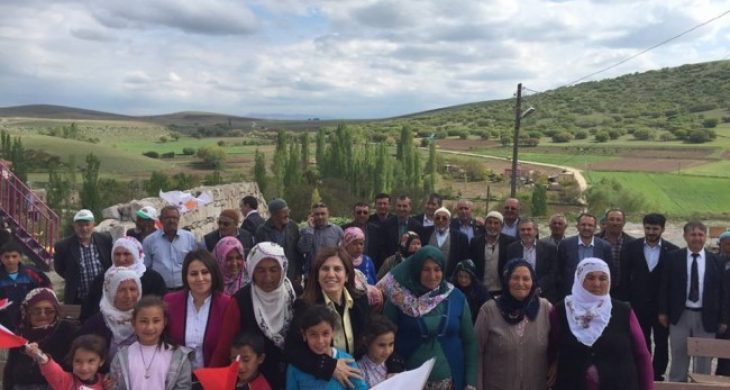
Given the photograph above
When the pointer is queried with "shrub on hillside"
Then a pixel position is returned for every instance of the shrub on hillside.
(151, 154)
(581, 134)
(168, 155)
(701, 136)
(614, 134)
(644, 134)
(709, 123)
(188, 151)
(562, 137)
(601, 136)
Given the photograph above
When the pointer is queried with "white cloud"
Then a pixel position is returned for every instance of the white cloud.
(332, 58)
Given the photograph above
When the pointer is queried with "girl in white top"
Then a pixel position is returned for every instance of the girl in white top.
(151, 362)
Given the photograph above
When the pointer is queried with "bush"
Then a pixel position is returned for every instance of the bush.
(614, 134)
(168, 155)
(709, 123)
(581, 134)
(644, 134)
(151, 154)
(602, 136)
(188, 151)
(562, 137)
(701, 136)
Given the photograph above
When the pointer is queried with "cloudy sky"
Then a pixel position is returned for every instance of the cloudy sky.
(331, 58)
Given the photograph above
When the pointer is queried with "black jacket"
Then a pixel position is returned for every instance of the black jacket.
(546, 267)
(252, 222)
(67, 257)
(478, 230)
(568, 261)
(265, 232)
(673, 289)
(458, 248)
(244, 237)
(476, 250)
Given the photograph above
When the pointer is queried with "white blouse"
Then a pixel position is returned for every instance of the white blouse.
(195, 323)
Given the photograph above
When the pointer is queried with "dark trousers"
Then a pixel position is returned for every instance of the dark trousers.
(723, 365)
(660, 356)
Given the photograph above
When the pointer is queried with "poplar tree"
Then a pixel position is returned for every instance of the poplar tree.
(304, 139)
(278, 166)
(90, 197)
(259, 171)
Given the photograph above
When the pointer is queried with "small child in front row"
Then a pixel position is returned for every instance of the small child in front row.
(317, 327)
(151, 362)
(378, 362)
(250, 349)
(86, 356)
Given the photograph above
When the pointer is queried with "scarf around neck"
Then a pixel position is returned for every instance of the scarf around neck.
(118, 321)
(232, 283)
(588, 314)
(513, 310)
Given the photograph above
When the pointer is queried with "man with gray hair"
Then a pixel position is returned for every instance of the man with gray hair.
(511, 215)
(558, 224)
(541, 255)
(489, 250)
(453, 244)
(464, 222)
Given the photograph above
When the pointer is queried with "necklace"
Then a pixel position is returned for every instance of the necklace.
(144, 363)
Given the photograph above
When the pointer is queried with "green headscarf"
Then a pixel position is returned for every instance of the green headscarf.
(408, 273)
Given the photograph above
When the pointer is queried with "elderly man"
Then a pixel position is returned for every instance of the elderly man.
(433, 203)
(489, 250)
(541, 255)
(319, 233)
(576, 248)
(79, 258)
(283, 231)
(453, 244)
(249, 207)
(165, 249)
(228, 226)
(642, 267)
(511, 211)
(691, 301)
(144, 223)
(464, 222)
(558, 224)
(615, 235)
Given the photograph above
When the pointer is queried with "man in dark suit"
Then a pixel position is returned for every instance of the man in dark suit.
(250, 210)
(400, 224)
(79, 258)
(228, 226)
(453, 244)
(576, 248)
(614, 234)
(557, 226)
(489, 250)
(542, 256)
(464, 222)
(642, 265)
(285, 232)
(433, 203)
(690, 299)
(379, 221)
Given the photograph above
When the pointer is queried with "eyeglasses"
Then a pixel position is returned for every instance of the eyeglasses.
(43, 311)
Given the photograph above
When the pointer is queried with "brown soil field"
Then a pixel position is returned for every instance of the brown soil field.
(466, 144)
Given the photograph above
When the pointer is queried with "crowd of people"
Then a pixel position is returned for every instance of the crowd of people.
(338, 307)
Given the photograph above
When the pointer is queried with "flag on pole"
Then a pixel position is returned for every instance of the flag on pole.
(221, 378)
(9, 339)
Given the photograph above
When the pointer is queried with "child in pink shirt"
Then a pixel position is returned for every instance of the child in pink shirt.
(86, 357)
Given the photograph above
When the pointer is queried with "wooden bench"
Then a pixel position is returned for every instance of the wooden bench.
(702, 347)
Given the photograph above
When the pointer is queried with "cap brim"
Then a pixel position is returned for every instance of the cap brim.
(143, 215)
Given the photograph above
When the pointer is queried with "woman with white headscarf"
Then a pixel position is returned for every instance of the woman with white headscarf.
(265, 307)
(595, 341)
(126, 252)
(122, 290)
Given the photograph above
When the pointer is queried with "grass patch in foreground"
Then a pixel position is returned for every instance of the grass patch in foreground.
(674, 195)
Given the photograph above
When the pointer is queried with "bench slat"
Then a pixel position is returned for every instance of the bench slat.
(705, 378)
(687, 386)
(717, 348)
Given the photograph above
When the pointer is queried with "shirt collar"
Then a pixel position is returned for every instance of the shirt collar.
(349, 302)
(658, 244)
(580, 242)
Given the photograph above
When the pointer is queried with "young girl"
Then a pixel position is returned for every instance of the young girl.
(316, 328)
(86, 357)
(151, 362)
(378, 362)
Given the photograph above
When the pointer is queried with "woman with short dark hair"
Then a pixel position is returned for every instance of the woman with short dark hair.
(196, 312)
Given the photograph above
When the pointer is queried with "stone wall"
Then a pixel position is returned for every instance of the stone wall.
(120, 217)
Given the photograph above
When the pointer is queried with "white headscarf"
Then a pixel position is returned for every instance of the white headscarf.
(135, 248)
(119, 322)
(588, 314)
(273, 310)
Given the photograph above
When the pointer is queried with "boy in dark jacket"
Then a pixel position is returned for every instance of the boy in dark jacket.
(16, 279)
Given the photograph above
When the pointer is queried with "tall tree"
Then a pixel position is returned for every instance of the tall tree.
(18, 160)
(319, 152)
(90, 196)
(539, 201)
(278, 166)
(304, 139)
(58, 189)
(431, 165)
(259, 171)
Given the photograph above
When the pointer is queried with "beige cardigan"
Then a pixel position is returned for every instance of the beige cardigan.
(507, 361)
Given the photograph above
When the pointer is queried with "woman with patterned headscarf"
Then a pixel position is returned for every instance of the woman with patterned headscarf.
(596, 341)
(433, 319)
(512, 334)
(265, 307)
(465, 279)
(40, 323)
(122, 290)
(232, 262)
(126, 252)
(353, 242)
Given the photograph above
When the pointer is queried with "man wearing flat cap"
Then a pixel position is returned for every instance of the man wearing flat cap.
(285, 232)
(79, 258)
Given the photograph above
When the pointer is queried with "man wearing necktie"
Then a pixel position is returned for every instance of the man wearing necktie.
(690, 300)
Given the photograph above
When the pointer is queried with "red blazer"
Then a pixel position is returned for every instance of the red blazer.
(177, 303)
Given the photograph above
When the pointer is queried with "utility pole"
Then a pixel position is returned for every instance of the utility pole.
(515, 141)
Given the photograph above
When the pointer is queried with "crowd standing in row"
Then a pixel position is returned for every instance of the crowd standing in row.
(347, 307)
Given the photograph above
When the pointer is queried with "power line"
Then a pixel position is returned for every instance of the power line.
(649, 48)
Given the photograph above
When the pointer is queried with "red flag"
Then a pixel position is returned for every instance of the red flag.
(9, 339)
(221, 378)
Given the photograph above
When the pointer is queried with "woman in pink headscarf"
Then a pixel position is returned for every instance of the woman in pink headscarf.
(353, 241)
(232, 262)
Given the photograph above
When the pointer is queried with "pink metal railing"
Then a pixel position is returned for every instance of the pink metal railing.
(33, 223)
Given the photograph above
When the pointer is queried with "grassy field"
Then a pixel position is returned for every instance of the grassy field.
(675, 195)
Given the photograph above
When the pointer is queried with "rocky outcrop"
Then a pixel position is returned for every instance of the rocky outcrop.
(200, 221)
